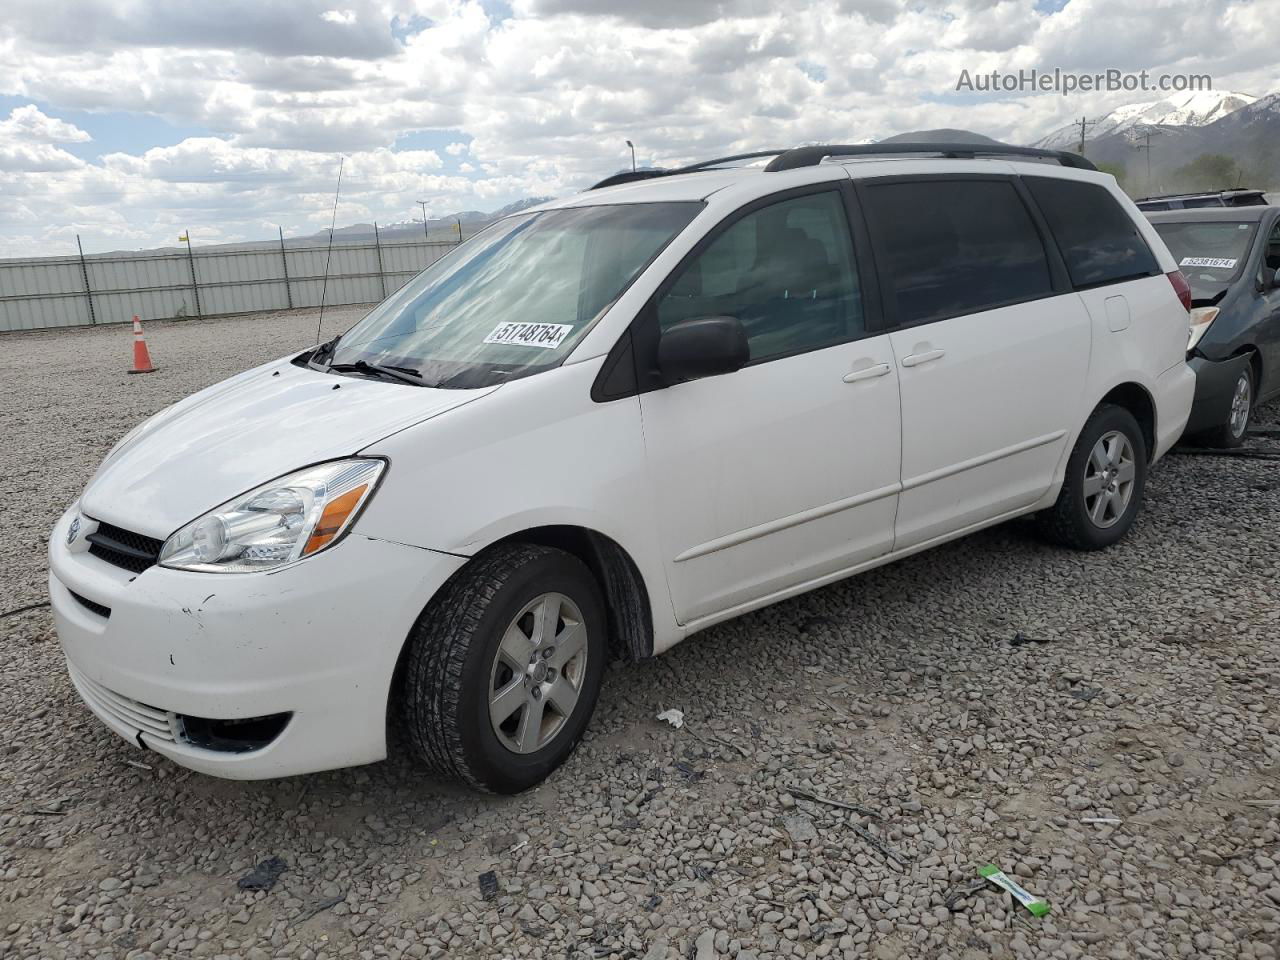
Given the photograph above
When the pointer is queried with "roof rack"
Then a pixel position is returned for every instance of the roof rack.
(630, 176)
(1199, 193)
(812, 156)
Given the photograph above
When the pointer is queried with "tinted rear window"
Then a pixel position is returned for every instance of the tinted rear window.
(1097, 239)
(951, 247)
(1210, 253)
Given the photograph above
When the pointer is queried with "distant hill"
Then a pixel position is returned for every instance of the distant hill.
(1195, 109)
(444, 227)
(1248, 136)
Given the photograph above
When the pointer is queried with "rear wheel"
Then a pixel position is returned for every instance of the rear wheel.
(1232, 433)
(504, 668)
(1104, 485)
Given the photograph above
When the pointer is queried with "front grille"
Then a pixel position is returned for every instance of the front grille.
(222, 736)
(124, 548)
(89, 605)
(138, 716)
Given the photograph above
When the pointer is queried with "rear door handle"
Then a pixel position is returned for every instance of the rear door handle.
(915, 359)
(867, 373)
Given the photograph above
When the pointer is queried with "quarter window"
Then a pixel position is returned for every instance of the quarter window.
(1099, 241)
(785, 271)
(953, 247)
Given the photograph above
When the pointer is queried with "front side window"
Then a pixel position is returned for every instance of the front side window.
(954, 247)
(515, 299)
(1211, 253)
(1099, 241)
(786, 271)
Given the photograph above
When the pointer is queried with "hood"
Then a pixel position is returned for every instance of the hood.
(235, 435)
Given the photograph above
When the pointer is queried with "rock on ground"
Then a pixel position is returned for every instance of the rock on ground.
(1151, 699)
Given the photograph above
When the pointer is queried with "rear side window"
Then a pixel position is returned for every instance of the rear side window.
(951, 247)
(1098, 240)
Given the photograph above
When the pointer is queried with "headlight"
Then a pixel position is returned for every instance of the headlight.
(1201, 317)
(277, 523)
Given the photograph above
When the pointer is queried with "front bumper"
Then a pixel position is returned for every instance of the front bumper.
(1215, 389)
(318, 640)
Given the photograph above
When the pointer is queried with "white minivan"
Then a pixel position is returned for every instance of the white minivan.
(604, 424)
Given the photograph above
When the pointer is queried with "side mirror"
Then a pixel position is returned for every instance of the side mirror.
(702, 347)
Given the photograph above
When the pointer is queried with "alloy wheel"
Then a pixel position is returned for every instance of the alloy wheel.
(1241, 404)
(1109, 476)
(537, 673)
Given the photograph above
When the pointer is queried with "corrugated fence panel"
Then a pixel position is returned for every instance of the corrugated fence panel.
(49, 292)
(26, 278)
(120, 306)
(36, 313)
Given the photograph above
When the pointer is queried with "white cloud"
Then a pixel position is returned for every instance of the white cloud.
(29, 124)
(540, 102)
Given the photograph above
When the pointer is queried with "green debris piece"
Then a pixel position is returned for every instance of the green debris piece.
(993, 874)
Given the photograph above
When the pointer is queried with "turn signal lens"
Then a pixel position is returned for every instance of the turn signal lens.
(333, 519)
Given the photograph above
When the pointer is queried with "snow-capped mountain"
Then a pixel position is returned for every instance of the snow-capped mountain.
(1176, 110)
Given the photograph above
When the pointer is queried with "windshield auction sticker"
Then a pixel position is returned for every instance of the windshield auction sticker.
(1215, 262)
(546, 335)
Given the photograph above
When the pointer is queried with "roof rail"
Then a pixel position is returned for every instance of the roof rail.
(1199, 193)
(812, 156)
(630, 176)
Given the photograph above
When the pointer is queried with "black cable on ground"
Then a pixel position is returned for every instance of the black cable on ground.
(29, 606)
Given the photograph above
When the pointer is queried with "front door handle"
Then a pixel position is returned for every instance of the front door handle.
(867, 373)
(915, 359)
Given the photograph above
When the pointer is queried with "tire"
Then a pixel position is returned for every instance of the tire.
(455, 665)
(1232, 433)
(1075, 519)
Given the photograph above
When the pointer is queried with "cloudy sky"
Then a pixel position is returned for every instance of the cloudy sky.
(128, 121)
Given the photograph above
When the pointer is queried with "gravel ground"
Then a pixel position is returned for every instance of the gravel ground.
(1147, 694)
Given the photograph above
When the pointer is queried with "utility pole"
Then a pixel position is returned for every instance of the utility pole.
(423, 204)
(1147, 133)
(1085, 124)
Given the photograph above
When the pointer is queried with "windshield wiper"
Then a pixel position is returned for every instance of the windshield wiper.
(403, 374)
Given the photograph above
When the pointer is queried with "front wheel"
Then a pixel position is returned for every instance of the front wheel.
(504, 668)
(1104, 485)
(1232, 433)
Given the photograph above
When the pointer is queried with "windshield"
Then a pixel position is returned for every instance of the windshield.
(1210, 252)
(516, 298)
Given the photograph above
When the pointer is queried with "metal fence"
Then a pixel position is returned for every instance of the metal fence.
(111, 288)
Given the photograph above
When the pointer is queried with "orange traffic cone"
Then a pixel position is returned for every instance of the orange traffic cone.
(141, 356)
